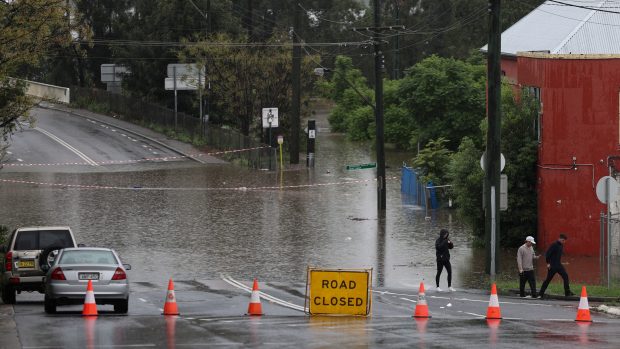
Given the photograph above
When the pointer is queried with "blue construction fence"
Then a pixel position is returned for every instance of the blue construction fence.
(416, 192)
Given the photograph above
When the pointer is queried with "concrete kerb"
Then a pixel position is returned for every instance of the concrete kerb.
(72, 112)
(8, 328)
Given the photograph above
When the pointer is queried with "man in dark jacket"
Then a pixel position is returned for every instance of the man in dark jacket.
(442, 250)
(554, 265)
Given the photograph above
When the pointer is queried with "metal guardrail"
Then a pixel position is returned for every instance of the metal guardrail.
(157, 117)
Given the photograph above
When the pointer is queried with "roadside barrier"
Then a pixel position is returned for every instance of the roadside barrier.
(90, 306)
(583, 311)
(255, 308)
(493, 311)
(421, 308)
(170, 306)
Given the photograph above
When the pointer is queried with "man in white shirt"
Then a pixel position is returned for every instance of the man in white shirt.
(525, 262)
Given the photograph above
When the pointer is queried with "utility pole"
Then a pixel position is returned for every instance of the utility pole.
(296, 80)
(396, 58)
(492, 160)
(379, 65)
(379, 139)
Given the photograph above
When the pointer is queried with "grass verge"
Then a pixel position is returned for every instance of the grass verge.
(557, 288)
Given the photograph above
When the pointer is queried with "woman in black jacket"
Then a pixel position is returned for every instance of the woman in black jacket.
(442, 247)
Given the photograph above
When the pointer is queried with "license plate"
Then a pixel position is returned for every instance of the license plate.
(88, 276)
(28, 263)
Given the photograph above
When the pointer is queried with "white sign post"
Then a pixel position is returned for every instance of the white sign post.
(606, 192)
(270, 119)
(184, 76)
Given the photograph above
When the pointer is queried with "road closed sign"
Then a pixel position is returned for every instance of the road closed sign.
(338, 291)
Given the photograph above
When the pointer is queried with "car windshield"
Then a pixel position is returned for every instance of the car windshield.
(87, 257)
(42, 239)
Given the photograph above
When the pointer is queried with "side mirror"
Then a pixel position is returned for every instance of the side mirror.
(3, 249)
(127, 266)
(81, 245)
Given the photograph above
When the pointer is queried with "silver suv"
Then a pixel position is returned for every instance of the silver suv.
(27, 256)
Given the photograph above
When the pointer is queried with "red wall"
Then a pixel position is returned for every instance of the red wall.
(580, 119)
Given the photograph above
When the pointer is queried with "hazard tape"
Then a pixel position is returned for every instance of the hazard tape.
(121, 162)
(137, 188)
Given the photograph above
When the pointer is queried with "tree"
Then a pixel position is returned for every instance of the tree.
(245, 79)
(432, 162)
(519, 146)
(445, 98)
(29, 30)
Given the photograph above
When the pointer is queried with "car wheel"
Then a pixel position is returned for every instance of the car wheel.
(50, 305)
(122, 306)
(45, 258)
(8, 295)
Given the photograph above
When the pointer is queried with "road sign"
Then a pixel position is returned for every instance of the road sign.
(270, 114)
(183, 84)
(338, 291)
(361, 166)
(502, 161)
(112, 72)
(604, 194)
(184, 69)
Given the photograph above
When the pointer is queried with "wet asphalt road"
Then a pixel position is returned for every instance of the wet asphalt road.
(197, 225)
(212, 315)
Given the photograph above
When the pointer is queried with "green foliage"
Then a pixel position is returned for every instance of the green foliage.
(432, 161)
(359, 123)
(445, 97)
(519, 146)
(4, 234)
(466, 178)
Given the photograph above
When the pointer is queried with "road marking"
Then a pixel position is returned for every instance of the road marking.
(462, 299)
(474, 314)
(408, 300)
(68, 146)
(264, 295)
(142, 299)
(113, 130)
(8, 152)
(124, 135)
(20, 160)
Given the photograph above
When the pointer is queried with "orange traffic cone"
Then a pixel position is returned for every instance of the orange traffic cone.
(421, 308)
(583, 312)
(255, 307)
(170, 306)
(493, 311)
(90, 307)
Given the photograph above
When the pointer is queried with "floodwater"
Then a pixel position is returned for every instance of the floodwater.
(189, 221)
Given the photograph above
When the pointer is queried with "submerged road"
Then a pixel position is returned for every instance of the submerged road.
(212, 314)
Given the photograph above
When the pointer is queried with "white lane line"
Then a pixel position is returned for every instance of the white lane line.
(68, 146)
(8, 152)
(124, 135)
(144, 300)
(264, 295)
(113, 130)
(474, 314)
(408, 300)
(20, 160)
(462, 299)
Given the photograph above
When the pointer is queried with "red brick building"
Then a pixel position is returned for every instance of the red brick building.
(568, 55)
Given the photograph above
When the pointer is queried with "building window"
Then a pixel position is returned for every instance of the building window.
(535, 92)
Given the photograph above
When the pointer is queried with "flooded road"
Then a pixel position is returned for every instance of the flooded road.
(194, 221)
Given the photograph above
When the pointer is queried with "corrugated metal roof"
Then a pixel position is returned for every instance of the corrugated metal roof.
(563, 29)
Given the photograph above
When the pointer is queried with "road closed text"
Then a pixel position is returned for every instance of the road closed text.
(339, 292)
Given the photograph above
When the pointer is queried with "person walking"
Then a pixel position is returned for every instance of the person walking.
(442, 250)
(525, 262)
(553, 257)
